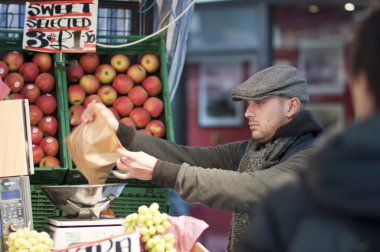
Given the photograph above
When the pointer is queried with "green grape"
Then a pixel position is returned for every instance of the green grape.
(152, 230)
(143, 209)
(145, 238)
(157, 220)
(168, 246)
(144, 231)
(169, 237)
(159, 248)
(166, 224)
(160, 229)
(149, 223)
(154, 206)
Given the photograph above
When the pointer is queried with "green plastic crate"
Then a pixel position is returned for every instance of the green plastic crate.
(41, 207)
(11, 40)
(154, 45)
(133, 197)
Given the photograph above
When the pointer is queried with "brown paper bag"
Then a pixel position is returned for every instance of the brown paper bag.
(92, 147)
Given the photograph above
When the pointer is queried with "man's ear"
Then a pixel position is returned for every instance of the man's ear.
(293, 106)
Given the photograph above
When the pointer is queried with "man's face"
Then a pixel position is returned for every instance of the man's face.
(266, 116)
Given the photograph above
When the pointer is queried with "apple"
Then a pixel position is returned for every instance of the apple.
(128, 121)
(47, 103)
(49, 145)
(122, 83)
(145, 131)
(30, 92)
(120, 62)
(75, 114)
(89, 62)
(152, 85)
(38, 153)
(43, 60)
(90, 98)
(29, 71)
(49, 162)
(89, 83)
(137, 73)
(36, 134)
(150, 62)
(123, 105)
(16, 96)
(45, 82)
(156, 127)
(76, 94)
(74, 73)
(48, 125)
(108, 94)
(154, 106)
(3, 69)
(138, 95)
(35, 114)
(105, 73)
(14, 81)
(140, 116)
(115, 113)
(13, 60)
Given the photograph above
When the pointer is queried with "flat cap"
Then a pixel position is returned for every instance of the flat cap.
(279, 80)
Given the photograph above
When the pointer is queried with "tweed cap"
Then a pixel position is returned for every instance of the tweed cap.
(279, 80)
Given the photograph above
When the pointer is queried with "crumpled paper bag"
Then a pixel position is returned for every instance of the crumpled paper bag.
(92, 146)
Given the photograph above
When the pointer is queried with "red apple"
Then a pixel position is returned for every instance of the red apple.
(36, 135)
(105, 73)
(16, 96)
(35, 114)
(140, 116)
(154, 106)
(76, 94)
(75, 114)
(137, 73)
(90, 98)
(45, 82)
(14, 81)
(48, 125)
(152, 85)
(49, 145)
(120, 62)
(89, 62)
(74, 73)
(89, 83)
(123, 106)
(49, 162)
(122, 84)
(128, 121)
(150, 62)
(30, 92)
(13, 60)
(108, 94)
(157, 128)
(3, 69)
(115, 113)
(29, 71)
(145, 131)
(43, 60)
(138, 95)
(38, 153)
(47, 104)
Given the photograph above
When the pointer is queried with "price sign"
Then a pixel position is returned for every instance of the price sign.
(61, 26)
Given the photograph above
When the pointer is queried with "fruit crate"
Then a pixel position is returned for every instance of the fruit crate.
(154, 45)
(133, 197)
(41, 207)
(11, 40)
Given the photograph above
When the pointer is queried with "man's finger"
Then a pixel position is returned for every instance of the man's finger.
(121, 175)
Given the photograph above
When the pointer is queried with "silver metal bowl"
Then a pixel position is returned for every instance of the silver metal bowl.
(83, 201)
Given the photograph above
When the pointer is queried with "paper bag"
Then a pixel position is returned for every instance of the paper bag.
(92, 146)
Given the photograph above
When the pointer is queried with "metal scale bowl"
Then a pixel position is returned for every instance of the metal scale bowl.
(82, 205)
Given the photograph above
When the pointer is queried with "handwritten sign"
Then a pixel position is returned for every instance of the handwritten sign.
(61, 26)
(121, 243)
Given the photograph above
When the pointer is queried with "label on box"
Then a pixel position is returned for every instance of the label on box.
(120, 243)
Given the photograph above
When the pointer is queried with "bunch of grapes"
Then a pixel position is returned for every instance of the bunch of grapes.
(25, 240)
(151, 224)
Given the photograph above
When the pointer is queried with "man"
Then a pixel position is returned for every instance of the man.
(334, 205)
(234, 176)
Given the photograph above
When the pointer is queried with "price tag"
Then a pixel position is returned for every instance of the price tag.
(61, 26)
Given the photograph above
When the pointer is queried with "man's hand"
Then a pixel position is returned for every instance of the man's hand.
(88, 115)
(136, 165)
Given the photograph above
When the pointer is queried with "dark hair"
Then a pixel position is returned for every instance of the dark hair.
(365, 52)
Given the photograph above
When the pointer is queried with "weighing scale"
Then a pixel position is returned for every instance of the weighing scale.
(82, 205)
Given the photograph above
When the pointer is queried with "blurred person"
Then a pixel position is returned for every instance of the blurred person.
(234, 176)
(334, 204)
